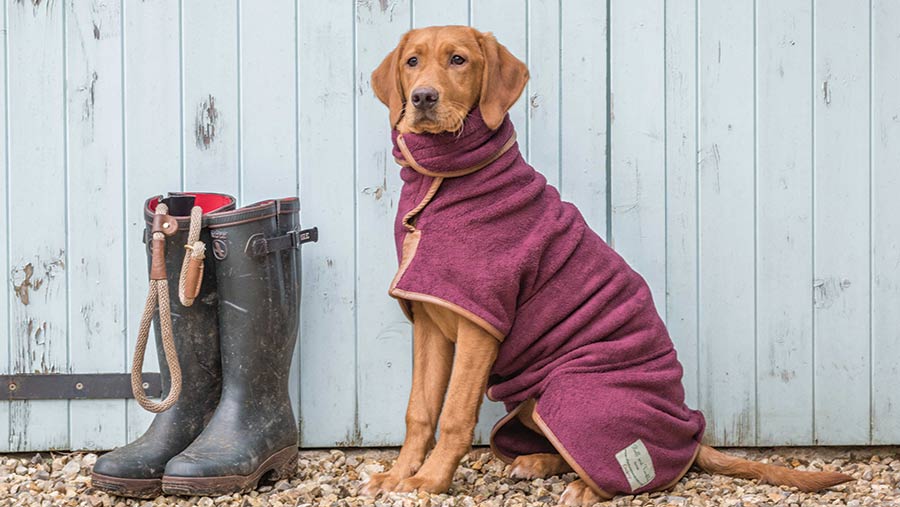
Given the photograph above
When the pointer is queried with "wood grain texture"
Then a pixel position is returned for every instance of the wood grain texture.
(4, 228)
(726, 221)
(96, 302)
(439, 12)
(583, 110)
(682, 190)
(784, 222)
(841, 288)
(326, 110)
(152, 139)
(885, 224)
(38, 256)
(543, 94)
(638, 129)
(211, 114)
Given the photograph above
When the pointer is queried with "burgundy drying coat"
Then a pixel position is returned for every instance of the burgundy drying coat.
(481, 232)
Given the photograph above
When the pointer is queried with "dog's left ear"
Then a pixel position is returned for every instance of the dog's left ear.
(502, 83)
(386, 83)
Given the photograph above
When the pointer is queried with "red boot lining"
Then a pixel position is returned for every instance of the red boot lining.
(207, 202)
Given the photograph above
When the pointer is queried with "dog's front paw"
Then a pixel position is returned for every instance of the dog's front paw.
(578, 493)
(424, 483)
(381, 483)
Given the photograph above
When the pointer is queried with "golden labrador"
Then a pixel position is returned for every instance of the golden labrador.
(430, 83)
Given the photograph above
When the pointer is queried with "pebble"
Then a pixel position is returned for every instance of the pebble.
(334, 478)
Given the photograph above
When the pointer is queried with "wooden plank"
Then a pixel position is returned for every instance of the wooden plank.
(637, 63)
(153, 137)
(38, 259)
(543, 101)
(4, 244)
(211, 111)
(784, 209)
(507, 19)
(583, 112)
(268, 95)
(681, 189)
(726, 251)
(96, 218)
(885, 227)
(841, 221)
(384, 339)
(440, 12)
(328, 193)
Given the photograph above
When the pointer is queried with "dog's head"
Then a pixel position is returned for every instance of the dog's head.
(436, 75)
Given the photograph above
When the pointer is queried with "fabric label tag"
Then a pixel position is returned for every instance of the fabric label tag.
(636, 464)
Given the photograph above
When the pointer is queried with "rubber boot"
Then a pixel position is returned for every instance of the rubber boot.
(253, 434)
(136, 470)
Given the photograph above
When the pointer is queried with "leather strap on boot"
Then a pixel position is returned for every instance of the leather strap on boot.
(192, 267)
(259, 245)
(158, 296)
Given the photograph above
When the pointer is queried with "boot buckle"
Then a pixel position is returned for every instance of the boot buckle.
(305, 236)
(258, 245)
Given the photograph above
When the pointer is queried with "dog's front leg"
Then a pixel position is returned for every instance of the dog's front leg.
(432, 360)
(475, 353)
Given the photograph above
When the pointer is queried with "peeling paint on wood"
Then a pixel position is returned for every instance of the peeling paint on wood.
(24, 281)
(385, 6)
(34, 3)
(206, 123)
(21, 288)
(828, 290)
(89, 89)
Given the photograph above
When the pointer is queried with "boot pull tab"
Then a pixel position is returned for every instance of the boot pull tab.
(191, 276)
(163, 225)
(196, 252)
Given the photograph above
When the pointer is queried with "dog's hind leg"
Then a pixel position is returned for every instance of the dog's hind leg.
(579, 493)
(432, 360)
(535, 466)
(538, 466)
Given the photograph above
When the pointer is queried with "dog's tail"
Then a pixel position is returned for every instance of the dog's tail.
(715, 462)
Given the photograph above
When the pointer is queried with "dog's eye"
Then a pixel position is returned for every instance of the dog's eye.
(412, 62)
(457, 60)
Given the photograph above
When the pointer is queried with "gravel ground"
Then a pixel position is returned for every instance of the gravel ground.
(332, 478)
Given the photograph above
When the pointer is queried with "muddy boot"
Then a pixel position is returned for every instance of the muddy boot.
(253, 433)
(136, 469)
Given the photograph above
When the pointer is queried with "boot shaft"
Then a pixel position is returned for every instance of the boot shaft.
(257, 254)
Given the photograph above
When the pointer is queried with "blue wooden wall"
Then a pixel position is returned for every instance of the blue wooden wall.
(743, 155)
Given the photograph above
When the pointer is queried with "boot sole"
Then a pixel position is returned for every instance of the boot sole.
(282, 465)
(122, 486)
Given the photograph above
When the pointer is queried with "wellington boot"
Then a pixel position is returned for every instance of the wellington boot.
(136, 470)
(253, 433)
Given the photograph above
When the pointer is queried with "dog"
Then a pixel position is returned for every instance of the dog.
(513, 296)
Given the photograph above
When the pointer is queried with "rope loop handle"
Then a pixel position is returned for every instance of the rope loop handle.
(158, 296)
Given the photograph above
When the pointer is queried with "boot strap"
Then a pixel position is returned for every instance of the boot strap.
(259, 245)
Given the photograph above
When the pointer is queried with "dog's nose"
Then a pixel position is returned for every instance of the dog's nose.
(424, 97)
